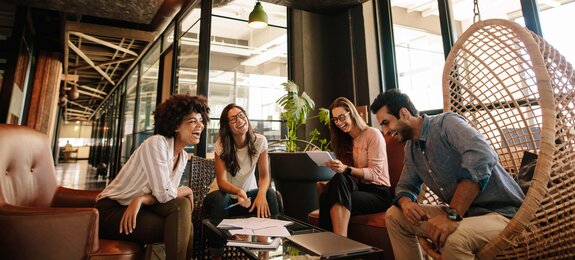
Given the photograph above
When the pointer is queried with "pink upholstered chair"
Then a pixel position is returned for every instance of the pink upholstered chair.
(40, 220)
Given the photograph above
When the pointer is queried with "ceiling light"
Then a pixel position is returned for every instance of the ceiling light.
(258, 17)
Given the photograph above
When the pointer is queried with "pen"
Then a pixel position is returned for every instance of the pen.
(235, 204)
(231, 206)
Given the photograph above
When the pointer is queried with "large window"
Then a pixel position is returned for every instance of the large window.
(247, 66)
(189, 48)
(463, 12)
(418, 42)
(554, 19)
(148, 89)
(130, 106)
(419, 52)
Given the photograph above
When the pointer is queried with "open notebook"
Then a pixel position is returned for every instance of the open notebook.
(328, 244)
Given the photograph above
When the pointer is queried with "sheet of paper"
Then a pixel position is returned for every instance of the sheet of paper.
(319, 157)
(272, 232)
(275, 243)
(269, 231)
(253, 223)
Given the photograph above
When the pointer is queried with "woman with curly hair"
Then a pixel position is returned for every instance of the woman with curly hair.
(238, 151)
(145, 191)
(362, 184)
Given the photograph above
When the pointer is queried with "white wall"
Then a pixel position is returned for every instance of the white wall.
(79, 135)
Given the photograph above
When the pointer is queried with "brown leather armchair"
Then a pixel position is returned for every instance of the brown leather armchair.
(40, 220)
(370, 228)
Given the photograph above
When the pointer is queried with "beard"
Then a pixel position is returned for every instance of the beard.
(403, 133)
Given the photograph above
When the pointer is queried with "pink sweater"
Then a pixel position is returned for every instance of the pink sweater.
(370, 155)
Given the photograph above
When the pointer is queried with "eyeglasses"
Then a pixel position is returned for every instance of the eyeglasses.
(234, 119)
(340, 118)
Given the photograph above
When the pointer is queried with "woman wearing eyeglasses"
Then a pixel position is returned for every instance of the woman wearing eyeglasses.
(238, 150)
(361, 185)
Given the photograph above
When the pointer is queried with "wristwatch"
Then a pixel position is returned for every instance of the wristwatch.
(452, 215)
(347, 171)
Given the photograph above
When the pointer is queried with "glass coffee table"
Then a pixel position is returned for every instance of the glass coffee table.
(286, 249)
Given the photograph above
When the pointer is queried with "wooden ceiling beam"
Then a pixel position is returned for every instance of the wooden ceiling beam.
(101, 64)
(90, 94)
(73, 115)
(78, 111)
(92, 89)
(105, 43)
(114, 32)
(89, 61)
(70, 77)
(80, 105)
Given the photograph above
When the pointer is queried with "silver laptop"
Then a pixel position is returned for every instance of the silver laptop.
(328, 244)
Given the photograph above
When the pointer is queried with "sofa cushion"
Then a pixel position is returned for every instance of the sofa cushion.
(114, 249)
(374, 220)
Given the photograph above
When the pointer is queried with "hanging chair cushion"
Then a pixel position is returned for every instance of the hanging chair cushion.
(526, 170)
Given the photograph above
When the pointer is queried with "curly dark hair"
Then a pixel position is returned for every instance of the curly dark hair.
(342, 142)
(229, 146)
(170, 114)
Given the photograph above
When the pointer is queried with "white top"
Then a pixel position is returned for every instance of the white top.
(245, 178)
(148, 171)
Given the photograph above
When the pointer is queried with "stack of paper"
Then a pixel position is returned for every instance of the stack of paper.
(256, 226)
(274, 243)
(255, 232)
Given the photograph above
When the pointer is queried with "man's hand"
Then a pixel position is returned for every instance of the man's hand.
(439, 228)
(261, 204)
(412, 211)
(128, 221)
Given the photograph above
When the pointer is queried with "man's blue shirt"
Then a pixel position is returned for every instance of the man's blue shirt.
(449, 150)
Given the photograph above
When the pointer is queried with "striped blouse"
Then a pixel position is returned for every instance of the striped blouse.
(148, 171)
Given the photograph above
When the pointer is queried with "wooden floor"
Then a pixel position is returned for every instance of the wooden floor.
(79, 175)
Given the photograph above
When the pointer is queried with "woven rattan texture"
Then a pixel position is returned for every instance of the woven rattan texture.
(200, 176)
(518, 92)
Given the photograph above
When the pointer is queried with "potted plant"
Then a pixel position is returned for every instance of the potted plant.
(296, 108)
(293, 172)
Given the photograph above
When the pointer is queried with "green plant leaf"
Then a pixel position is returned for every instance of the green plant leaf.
(296, 109)
(323, 115)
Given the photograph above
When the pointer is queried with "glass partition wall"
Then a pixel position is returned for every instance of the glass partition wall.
(189, 49)
(418, 34)
(247, 66)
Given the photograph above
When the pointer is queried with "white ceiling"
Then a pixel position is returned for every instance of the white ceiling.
(463, 9)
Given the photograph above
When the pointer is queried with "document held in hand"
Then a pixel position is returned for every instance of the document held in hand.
(319, 157)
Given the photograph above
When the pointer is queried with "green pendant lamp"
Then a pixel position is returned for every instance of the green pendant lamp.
(258, 17)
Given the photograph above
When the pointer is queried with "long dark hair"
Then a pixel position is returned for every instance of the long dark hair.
(342, 142)
(229, 146)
